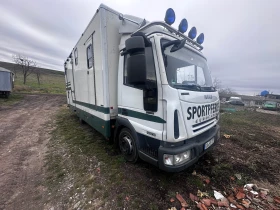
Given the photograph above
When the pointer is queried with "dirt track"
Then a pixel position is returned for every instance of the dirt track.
(268, 111)
(24, 133)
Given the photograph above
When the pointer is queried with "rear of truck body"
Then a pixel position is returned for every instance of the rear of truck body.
(6, 82)
(163, 123)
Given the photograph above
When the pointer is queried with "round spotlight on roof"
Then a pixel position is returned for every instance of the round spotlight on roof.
(183, 27)
(169, 16)
(192, 33)
(200, 38)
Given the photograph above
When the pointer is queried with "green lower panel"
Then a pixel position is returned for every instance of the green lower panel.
(97, 123)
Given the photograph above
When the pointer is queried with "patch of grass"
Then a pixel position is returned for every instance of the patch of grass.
(13, 99)
(56, 171)
(222, 169)
(196, 181)
(73, 149)
(171, 194)
(248, 118)
(49, 83)
(153, 206)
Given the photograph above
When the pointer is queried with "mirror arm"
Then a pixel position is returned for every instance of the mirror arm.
(174, 42)
(124, 52)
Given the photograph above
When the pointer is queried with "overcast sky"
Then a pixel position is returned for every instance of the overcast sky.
(242, 37)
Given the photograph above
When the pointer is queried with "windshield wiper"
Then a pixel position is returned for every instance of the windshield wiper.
(210, 88)
(188, 86)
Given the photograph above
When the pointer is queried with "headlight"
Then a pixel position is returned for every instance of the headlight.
(177, 159)
(168, 159)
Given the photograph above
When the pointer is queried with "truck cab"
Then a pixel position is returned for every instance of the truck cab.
(166, 99)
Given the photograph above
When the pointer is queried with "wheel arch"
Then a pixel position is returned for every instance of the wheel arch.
(124, 123)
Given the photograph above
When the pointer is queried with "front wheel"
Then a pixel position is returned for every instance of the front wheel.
(127, 145)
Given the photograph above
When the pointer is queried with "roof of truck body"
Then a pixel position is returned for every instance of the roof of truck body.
(5, 70)
(130, 27)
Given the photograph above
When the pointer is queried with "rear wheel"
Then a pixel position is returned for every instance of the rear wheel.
(127, 145)
(7, 94)
(81, 121)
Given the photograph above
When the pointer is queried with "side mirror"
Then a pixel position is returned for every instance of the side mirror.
(136, 61)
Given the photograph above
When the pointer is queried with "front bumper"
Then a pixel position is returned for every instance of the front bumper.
(196, 145)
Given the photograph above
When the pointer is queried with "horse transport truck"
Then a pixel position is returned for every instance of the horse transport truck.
(146, 86)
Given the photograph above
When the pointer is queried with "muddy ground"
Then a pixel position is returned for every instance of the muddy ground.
(24, 133)
(50, 161)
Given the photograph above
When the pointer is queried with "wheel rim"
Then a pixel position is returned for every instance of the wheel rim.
(126, 145)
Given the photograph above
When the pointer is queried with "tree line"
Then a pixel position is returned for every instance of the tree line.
(217, 83)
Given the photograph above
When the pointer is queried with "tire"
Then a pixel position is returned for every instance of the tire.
(128, 146)
(7, 94)
(82, 122)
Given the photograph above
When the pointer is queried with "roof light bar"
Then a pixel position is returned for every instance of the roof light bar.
(192, 33)
(183, 27)
(169, 16)
(200, 38)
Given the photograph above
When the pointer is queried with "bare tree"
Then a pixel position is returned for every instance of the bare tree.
(217, 83)
(227, 90)
(37, 71)
(27, 65)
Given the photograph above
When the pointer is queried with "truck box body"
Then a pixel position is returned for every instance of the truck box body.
(124, 80)
(6, 81)
(94, 90)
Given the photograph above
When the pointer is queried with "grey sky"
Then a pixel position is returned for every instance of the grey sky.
(241, 36)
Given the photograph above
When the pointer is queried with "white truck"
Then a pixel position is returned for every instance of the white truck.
(146, 86)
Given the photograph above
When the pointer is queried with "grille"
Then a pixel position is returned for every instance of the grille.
(150, 151)
(199, 126)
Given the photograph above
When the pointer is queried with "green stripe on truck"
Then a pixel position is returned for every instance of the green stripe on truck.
(102, 126)
(140, 115)
(102, 109)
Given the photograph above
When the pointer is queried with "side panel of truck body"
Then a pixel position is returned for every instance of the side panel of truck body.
(6, 82)
(94, 87)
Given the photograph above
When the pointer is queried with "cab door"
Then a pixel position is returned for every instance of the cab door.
(143, 107)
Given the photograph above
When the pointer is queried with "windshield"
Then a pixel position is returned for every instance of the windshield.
(186, 70)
